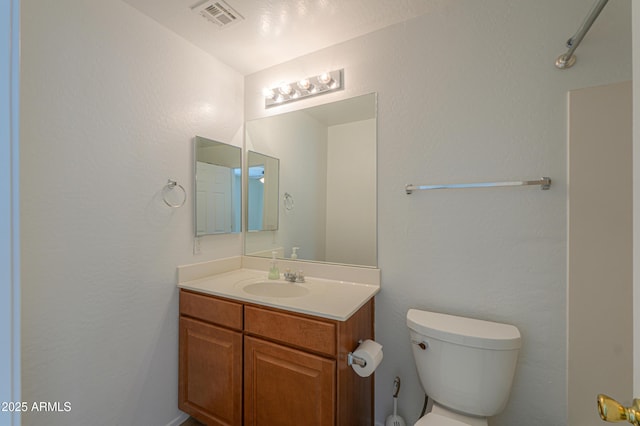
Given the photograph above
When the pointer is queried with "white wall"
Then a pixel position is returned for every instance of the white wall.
(468, 92)
(110, 104)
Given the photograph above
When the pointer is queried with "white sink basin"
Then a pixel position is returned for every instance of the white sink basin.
(275, 289)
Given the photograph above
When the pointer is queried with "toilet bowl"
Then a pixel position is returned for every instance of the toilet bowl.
(466, 366)
(440, 416)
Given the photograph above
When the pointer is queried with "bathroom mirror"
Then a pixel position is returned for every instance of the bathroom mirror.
(218, 187)
(262, 192)
(327, 204)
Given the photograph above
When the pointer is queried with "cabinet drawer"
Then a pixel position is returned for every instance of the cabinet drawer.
(211, 309)
(307, 333)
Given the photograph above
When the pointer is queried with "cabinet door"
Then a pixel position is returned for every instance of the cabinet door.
(287, 387)
(210, 384)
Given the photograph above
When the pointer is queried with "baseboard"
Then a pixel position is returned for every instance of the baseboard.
(178, 420)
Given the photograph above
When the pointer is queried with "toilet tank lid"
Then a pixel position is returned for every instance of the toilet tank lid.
(464, 331)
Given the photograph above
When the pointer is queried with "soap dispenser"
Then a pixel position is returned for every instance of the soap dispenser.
(294, 253)
(274, 272)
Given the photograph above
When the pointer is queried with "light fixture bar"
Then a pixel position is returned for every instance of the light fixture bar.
(304, 88)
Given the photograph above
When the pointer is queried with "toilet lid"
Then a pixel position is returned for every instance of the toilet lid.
(464, 331)
(432, 419)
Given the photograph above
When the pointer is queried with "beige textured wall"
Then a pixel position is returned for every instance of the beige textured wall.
(600, 315)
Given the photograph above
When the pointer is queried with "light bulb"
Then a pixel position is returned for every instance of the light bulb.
(324, 78)
(285, 89)
(268, 93)
(304, 84)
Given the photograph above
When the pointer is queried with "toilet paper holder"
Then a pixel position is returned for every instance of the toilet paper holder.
(355, 359)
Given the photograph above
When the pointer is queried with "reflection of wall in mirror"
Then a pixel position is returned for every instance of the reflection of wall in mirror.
(331, 174)
(270, 187)
(351, 195)
(220, 154)
(299, 141)
(262, 194)
(255, 199)
(328, 166)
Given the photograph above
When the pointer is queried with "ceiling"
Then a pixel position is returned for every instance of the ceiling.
(268, 32)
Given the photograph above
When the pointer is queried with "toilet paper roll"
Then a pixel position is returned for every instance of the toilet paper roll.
(371, 352)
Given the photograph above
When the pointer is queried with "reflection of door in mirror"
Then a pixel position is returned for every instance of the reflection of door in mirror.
(213, 195)
(217, 187)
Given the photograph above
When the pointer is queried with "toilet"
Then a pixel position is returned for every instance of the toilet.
(466, 366)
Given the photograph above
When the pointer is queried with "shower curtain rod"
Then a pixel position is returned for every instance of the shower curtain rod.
(568, 59)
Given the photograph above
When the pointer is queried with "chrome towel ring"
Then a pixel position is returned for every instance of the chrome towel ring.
(287, 200)
(170, 187)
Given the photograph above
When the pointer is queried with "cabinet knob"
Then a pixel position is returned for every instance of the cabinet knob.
(611, 410)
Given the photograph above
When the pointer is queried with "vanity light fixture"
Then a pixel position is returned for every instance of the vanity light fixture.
(285, 89)
(311, 86)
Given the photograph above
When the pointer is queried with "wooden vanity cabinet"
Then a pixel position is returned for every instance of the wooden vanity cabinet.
(210, 359)
(246, 364)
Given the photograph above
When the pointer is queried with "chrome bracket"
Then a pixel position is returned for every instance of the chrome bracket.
(354, 359)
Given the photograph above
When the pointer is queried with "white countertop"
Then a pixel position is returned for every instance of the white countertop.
(327, 298)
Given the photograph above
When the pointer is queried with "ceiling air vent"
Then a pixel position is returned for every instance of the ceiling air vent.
(219, 12)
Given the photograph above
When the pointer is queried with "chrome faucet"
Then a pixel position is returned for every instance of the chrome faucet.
(293, 277)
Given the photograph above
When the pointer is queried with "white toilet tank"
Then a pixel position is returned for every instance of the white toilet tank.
(466, 365)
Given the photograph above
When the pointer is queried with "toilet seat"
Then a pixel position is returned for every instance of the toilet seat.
(432, 419)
